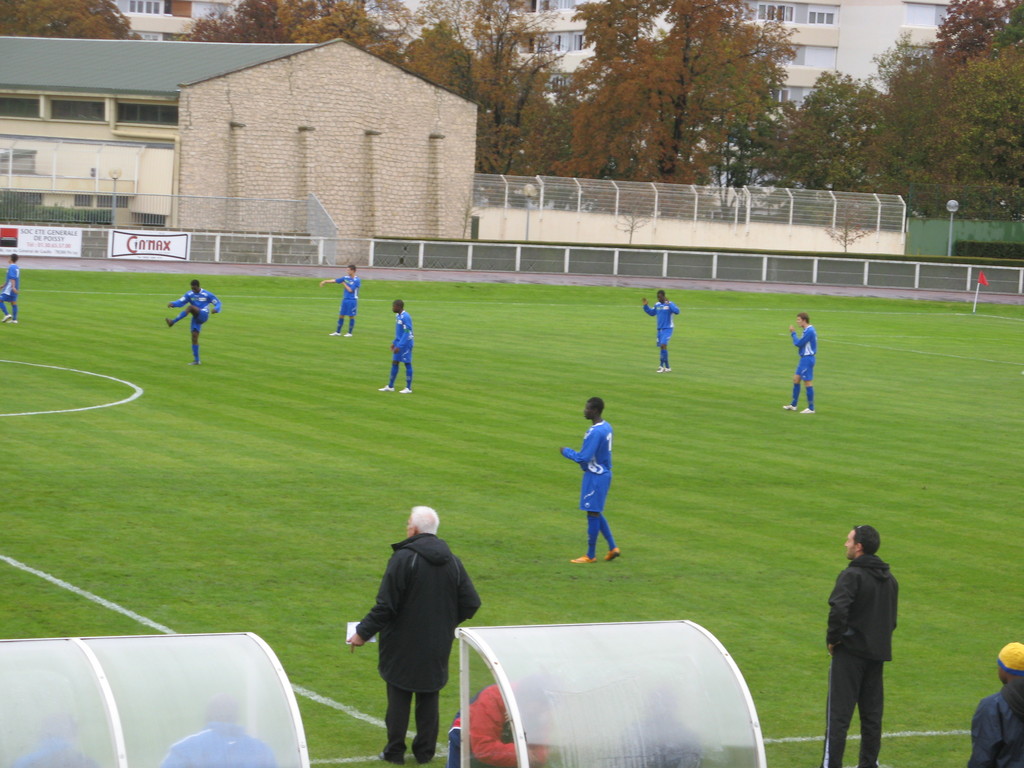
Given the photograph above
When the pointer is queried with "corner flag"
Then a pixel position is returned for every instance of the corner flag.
(982, 279)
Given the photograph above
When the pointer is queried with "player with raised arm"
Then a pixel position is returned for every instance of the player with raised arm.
(807, 347)
(664, 310)
(595, 459)
(12, 286)
(401, 348)
(200, 304)
(349, 301)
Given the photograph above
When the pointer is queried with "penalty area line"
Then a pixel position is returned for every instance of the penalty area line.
(856, 736)
(300, 690)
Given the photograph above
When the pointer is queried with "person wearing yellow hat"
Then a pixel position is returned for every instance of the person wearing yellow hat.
(997, 729)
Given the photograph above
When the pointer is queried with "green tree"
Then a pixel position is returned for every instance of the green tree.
(498, 54)
(970, 28)
(90, 19)
(668, 81)
(828, 141)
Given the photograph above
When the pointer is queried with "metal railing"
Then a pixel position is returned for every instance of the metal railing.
(743, 205)
(693, 265)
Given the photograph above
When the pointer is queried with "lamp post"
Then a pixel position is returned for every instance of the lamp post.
(952, 206)
(115, 174)
(529, 192)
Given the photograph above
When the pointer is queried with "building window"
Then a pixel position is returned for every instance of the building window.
(146, 7)
(816, 56)
(11, 106)
(19, 161)
(104, 201)
(920, 15)
(817, 14)
(61, 109)
(83, 201)
(149, 219)
(767, 12)
(159, 114)
(781, 95)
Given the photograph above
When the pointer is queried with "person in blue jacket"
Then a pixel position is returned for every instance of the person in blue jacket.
(200, 304)
(997, 729)
(595, 459)
(223, 743)
(665, 311)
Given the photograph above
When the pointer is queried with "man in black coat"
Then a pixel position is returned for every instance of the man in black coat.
(424, 595)
(860, 626)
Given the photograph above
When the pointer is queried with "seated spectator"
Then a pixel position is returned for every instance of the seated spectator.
(490, 734)
(997, 730)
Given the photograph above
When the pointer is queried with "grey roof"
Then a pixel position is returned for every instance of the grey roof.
(140, 67)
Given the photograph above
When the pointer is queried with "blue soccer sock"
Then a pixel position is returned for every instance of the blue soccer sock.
(351, 324)
(14, 310)
(606, 531)
(664, 358)
(3, 308)
(394, 374)
(810, 398)
(181, 316)
(408, 375)
(796, 393)
(341, 322)
(195, 352)
(593, 527)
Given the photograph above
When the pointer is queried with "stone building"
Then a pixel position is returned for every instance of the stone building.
(131, 127)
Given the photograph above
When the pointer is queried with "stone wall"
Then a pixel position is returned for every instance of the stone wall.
(385, 151)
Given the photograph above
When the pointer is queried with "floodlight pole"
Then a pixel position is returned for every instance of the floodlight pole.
(529, 192)
(115, 174)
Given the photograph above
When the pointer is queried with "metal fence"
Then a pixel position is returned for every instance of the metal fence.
(128, 209)
(704, 265)
(688, 202)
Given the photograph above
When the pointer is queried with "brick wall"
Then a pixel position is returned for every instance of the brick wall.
(387, 152)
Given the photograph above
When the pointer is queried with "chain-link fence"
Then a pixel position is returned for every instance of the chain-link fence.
(789, 207)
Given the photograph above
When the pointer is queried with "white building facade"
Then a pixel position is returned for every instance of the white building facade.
(168, 19)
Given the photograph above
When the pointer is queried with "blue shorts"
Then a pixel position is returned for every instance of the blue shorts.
(199, 319)
(805, 368)
(11, 297)
(664, 334)
(594, 491)
(403, 355)
(348, 307)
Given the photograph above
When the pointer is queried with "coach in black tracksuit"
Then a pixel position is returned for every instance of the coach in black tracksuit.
(860, 625)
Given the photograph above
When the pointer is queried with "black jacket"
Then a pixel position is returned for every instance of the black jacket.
(424, 595)
(863, 609)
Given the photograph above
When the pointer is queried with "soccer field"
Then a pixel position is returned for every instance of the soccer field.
(261, 490)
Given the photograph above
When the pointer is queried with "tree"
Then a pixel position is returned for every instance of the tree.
(251, 21)
(90, 19)
(496, 53)
(667, 82)
(970, 28)
(848, 229)
(828, 141)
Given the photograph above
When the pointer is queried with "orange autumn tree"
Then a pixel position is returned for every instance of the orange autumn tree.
(668, 82)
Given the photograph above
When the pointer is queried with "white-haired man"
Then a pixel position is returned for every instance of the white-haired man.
(424, 595)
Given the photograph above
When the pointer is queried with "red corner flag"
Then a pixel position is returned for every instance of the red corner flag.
(982, 279)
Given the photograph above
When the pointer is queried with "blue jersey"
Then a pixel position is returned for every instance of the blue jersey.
(806, 345)
(403, 330)
(200, 299)
(352, 282)
(13, 282)
(665, 311)
(596, 454)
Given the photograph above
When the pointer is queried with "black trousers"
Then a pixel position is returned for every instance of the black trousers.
(397, 720)
(853, 682)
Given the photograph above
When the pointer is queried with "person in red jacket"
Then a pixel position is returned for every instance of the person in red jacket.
(490, 735)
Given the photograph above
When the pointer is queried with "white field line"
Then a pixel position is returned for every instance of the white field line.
(136, 390)
(313, 696)
(929, 354)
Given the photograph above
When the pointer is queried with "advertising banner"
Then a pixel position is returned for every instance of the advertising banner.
(40, 241)
(149, 245)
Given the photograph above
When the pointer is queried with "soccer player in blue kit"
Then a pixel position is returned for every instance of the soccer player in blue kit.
(401, 348)
(12, 286)
(807, 347)
(595, 459)
(664, 310)
(200, 304)
(349, 301)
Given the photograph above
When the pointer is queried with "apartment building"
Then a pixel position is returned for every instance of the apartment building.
(167, 19)
(829, 35)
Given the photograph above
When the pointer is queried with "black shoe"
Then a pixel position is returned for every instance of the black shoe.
(424, 760)
(395, 761)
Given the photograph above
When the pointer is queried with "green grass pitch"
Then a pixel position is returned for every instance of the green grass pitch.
(261, 491)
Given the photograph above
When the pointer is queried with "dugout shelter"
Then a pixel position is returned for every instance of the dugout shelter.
(627, 695)
(146, 701)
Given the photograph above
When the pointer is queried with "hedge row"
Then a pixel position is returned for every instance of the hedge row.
(980, 249)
